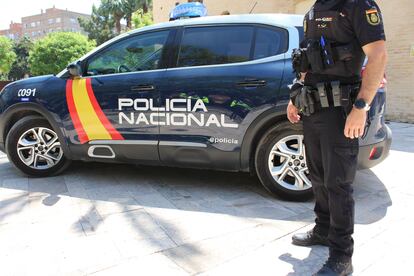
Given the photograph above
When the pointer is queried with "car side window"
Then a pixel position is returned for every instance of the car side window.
(138, 53)
(215, 45)
(270, 42)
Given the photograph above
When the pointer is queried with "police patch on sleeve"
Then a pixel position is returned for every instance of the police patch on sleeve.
(373, 17)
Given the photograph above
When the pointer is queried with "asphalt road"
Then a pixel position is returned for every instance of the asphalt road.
(105, 219)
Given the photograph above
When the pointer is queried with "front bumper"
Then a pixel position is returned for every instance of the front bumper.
(372, 154)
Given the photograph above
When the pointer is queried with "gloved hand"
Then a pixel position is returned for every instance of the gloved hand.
(302, 98)
(305, 102)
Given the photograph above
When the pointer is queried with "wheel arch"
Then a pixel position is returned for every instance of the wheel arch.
(21, 110)
(258, 128)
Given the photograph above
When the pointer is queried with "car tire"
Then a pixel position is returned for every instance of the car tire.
(34, 148)
(281, 162)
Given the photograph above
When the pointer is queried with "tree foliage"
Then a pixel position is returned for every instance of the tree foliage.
(7, 56)
(106, 20)
(54, 52)
(20, 67)
(141, 19)
(100, 27)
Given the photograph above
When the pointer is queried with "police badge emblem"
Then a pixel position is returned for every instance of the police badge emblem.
(373, 17)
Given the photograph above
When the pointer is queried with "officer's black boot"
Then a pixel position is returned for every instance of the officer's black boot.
(336, 267)
(309, 238)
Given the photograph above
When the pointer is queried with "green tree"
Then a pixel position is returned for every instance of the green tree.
(7, 56)
(116, 9)
(54, 52)
(141, 19)
(100, 27)
(130, 7)
(20, 67)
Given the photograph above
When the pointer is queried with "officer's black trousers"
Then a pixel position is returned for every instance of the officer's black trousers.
(332, 161)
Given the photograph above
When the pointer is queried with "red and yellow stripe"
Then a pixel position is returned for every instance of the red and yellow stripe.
(371, 11)
(87, 116)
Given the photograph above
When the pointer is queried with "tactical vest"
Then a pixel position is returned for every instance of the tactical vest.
(333, 50)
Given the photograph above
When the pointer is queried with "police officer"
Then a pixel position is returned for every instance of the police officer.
(332, 99)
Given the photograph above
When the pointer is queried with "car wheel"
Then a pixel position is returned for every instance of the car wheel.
(34, 147)
(281, 163)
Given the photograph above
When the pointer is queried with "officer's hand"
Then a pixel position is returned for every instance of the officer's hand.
(355, 123)
(293, 113)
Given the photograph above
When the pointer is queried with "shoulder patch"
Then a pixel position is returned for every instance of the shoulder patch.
(373, 17)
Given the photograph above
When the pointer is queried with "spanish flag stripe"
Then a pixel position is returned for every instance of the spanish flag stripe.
(83, 137)
(371, 11)
(86, 112)
(104, 120)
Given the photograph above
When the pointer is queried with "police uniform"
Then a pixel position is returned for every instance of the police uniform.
(340, 28)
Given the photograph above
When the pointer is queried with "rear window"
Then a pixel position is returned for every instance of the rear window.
(270, 42)
(230, 44)
(215, 45)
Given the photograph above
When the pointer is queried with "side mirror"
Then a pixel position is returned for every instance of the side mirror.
(75, 69)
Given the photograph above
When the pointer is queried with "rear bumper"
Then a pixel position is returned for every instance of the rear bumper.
(373, 154)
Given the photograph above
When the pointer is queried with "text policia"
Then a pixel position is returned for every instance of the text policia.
(176, 112)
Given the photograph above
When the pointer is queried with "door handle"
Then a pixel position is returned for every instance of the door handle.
(143, 87)
(252, 83)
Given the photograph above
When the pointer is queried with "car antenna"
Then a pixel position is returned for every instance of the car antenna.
(254, 6)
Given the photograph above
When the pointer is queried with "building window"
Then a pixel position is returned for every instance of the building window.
(73, 20)
(33, 24)
(33, 33)
(50, 30)
(58, 20)
(38, 23)
(50, 21)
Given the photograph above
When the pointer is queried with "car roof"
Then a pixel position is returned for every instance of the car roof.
(282, 20)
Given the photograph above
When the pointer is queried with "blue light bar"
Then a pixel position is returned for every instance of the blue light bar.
(188, 10)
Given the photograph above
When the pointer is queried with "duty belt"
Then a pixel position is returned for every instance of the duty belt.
(335, 94)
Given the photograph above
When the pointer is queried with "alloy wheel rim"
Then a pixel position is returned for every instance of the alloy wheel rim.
(287, 163)
(39, 148)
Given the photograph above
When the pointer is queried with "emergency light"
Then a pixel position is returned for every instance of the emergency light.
(188, 10)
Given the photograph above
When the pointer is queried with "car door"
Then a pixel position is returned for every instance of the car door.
(126, 79)
(224, 76)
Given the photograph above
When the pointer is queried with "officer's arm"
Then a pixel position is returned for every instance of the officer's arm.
(374, 70)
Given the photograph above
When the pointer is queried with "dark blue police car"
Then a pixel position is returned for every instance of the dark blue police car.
(205, 93)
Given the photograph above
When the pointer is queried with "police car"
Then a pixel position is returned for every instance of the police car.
(206, 93)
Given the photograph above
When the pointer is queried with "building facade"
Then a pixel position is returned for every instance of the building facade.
(398, 17)
(48, 21)
(14, 32)
(51, 20)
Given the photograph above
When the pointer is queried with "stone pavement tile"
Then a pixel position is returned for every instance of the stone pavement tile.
(152, 265)
(130, 247)
(50, 185)
(20, 184)
(278, 257)
(112, 200)
(195, 226)
(91, 177)
(46, 207)
(137, 224)
(13, 207)
(202, 256)
(392, 263)
(87, 254)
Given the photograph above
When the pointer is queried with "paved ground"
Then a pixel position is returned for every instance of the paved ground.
(126, 220)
